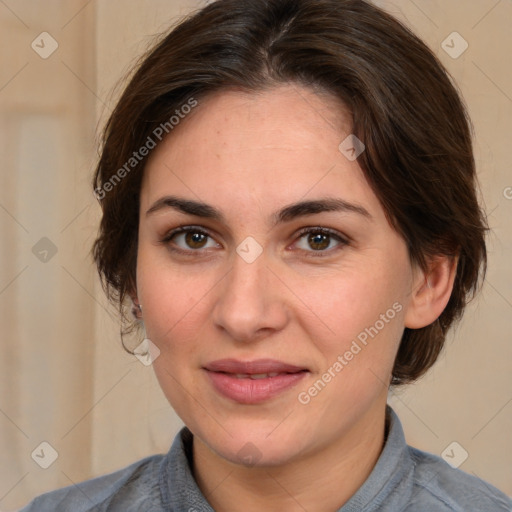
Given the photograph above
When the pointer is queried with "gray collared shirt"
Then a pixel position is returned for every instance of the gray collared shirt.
(403, 480)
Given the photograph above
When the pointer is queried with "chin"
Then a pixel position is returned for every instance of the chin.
(254, 444)
(258, 453)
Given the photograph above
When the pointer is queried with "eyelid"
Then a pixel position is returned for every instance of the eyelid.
(328, 231)
(183, 229)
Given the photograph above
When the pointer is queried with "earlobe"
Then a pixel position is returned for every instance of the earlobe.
(136, 307)
(431, 292)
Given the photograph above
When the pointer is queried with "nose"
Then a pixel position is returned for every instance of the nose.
(251, 303)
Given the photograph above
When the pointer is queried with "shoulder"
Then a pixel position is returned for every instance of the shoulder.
(441, 487)
(133, 488)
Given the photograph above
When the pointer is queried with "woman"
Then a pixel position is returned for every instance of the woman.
(289, 207)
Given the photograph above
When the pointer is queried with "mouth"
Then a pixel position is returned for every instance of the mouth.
(253, 382)
(254, 376)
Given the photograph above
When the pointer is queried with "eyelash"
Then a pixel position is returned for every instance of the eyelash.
(343, 241)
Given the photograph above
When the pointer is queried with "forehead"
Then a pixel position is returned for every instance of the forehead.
(240, 148)
(241, 115)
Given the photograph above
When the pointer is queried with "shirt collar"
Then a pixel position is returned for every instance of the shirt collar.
(180, 491)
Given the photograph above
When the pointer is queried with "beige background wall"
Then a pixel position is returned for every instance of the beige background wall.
(64, 377)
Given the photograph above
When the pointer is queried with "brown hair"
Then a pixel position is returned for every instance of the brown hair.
(418, 158)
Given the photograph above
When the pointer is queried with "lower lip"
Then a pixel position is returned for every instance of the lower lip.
(253, 391)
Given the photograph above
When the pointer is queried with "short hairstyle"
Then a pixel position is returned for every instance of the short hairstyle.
(405, 109)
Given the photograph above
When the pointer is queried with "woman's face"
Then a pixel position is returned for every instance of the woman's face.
(274, 343)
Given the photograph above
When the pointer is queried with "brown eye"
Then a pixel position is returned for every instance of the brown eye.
(195, 240)
(320, 240)
(188, 239)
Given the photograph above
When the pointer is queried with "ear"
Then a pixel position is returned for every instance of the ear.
(136, 306)
(431, 291)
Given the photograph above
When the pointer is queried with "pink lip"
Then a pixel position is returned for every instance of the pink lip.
(222, 375)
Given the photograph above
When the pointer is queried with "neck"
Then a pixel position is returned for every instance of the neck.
(324, 480)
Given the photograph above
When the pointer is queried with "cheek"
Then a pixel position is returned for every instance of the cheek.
(364, 313)
(172, 295)
(343, 304)
(174, 315)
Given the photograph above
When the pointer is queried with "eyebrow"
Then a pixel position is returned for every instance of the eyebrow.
(286, 214)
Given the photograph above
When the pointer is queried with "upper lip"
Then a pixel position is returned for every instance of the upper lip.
(258, 366)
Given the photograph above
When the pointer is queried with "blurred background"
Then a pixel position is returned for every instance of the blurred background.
(73, 404)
